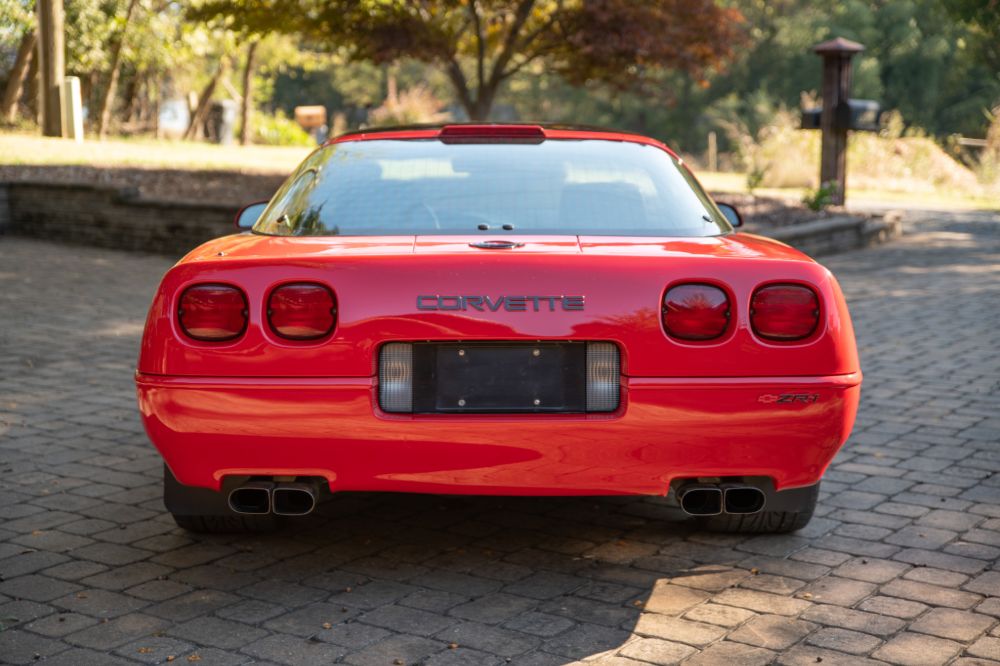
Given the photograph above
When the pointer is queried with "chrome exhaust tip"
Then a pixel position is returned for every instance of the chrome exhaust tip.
(253, 497)
(700, 500)
(742, 499)
(293, 499)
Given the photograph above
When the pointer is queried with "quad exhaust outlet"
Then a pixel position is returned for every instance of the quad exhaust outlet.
(706, 499)
(253, 497)
(293, 499)
(281, 499)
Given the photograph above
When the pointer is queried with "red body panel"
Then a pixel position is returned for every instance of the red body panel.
(332, 428)
(376, 285)
(265, 405)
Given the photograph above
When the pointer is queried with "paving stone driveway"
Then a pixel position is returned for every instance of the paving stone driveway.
(901, 565)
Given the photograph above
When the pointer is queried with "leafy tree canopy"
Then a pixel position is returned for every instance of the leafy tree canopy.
(16, 18)
(480, 44)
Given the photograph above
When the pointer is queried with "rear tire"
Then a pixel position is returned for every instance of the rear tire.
(234, 524)
(764, 522)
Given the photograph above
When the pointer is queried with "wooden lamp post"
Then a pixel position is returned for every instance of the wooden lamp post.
(50, 65)
(835, 118)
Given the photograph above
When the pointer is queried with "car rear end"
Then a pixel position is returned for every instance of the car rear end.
(718, 367)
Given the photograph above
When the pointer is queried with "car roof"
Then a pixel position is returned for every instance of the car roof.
(498, 132)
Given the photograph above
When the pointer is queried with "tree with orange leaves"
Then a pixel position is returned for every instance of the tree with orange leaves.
(480, 44)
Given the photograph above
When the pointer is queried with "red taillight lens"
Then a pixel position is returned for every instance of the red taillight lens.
(212, 312)
(695, 312)
(302, 311)
(784, 312)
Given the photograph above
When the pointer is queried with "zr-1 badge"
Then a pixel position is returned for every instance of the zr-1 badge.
(787, 398)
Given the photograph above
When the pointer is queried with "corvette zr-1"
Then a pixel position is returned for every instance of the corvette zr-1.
(496, 309)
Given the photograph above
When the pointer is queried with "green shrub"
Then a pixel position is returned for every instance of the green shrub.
(279, 130)
(755, 177)
(821, 197)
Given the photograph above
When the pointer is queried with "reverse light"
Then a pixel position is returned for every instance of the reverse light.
(395, 377)
(212, 312)
(695, 312)
(603, 377)
(302, 311)
(784, 312)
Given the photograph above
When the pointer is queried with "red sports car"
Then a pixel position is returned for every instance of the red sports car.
(496, 309)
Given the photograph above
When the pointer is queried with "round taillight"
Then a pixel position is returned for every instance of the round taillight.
(695, 312)
(784, 312)
(212, 312)
(302, 311)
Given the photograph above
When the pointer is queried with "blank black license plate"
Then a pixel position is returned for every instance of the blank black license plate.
(500, 378)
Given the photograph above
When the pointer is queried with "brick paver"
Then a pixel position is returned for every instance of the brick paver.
(900, 565)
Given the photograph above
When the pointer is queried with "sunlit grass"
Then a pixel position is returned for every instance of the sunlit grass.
(148, 153)
(163, 154)
(737, 182)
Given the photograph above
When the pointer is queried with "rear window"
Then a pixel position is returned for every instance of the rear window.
(388, 187)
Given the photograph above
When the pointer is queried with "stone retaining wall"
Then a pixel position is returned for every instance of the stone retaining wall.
(110, 217)
(116, 217)
(839, 234)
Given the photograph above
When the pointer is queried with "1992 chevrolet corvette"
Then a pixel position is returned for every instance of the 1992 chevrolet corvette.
(496, 309)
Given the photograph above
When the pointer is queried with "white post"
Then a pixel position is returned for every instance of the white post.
(713, 152)
(72, 109)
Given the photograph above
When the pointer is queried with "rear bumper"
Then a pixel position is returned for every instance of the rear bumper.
(784, 428)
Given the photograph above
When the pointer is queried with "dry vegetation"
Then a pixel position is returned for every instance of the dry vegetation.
(908, 170)
(782, 156)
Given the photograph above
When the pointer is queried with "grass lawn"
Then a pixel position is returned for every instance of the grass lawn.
(736, 182)
(149, 153)
(18, 149)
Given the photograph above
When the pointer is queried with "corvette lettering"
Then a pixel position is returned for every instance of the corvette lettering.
(495, 303)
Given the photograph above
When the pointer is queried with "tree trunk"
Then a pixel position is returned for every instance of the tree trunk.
(88, 93)
(116, 62)
(132, 95)
(479, 109)
(51, 64)
(33, 93)
(204, 101)
(247, 105)
(18, 73)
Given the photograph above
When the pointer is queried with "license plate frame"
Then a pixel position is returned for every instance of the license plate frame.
(500, 378)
